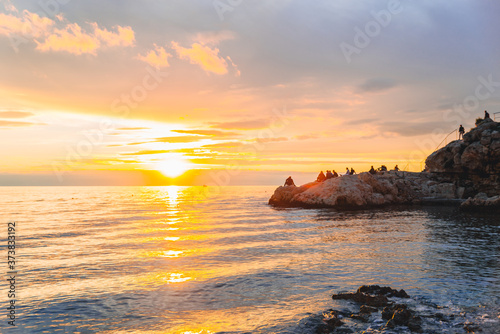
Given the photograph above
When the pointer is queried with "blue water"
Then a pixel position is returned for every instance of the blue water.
(213, 260)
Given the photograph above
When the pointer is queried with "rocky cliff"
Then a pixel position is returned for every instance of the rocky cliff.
(473, 163)
(460, 170)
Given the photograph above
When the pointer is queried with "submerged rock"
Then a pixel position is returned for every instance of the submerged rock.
(391, 315)
(372, 295)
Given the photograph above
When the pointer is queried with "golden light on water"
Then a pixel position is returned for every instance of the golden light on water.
(177, 278)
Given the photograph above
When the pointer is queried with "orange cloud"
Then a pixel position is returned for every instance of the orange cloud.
(16, 123)
(70, 39)
(15, 114)
(28, 25)
(214, 37)
(124, 37)
(74, 40)
(207, 58)
(157, 57)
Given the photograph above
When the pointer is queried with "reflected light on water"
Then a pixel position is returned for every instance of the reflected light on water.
(173, 195)
(172, 253)
(177, 278)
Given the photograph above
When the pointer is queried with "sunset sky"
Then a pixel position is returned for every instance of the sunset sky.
(236, 92)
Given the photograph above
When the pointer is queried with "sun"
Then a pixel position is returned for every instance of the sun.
(173, 167)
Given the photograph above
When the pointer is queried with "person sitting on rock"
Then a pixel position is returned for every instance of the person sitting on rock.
(372, 171)
(383, 168)
(321, 177)
(329, 175)
(347, 172)
(352, 171)
(289, 182)
(396, 168)
(486, 115)
(335, 173)
(461, 132)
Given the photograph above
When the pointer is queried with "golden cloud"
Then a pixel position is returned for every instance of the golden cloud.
(157, 57)
(123, 37)
(70, 39)
(28, 24)
(207, 58)
(74, 40)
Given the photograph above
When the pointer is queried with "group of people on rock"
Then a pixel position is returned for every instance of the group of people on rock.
(330, 174)
(382, 168)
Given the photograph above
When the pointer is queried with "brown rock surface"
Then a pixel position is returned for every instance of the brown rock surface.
(460, 170)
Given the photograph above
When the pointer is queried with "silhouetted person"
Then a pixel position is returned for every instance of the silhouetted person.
(289, 182)
(329, 175)
(347, 171)
(486, 115)
(352, 171)
(396, 168)
(321, 177)
(461, 132)
(383, 168)
(335, 173)
(372, 171)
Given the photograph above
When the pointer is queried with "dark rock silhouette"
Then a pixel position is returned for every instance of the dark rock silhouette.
(468, 169)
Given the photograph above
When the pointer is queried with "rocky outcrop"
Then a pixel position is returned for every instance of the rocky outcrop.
(365, 190)
(473, 163)
(460, 170)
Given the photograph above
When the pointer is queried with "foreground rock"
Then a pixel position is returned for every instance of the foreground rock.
(481, 202)
(454, 173)
(391, 311)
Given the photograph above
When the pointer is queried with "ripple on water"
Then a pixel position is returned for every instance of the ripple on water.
(169, 259)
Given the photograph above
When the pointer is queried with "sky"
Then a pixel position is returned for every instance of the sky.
(236, 91)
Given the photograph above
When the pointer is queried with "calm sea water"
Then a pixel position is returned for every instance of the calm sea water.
(179, 260)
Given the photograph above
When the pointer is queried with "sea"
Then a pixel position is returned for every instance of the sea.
(199, 260)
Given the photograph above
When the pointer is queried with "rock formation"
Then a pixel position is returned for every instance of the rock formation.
(460, 170)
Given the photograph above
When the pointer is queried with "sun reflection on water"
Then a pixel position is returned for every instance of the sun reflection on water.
(172, 253)
(177, 278)
(173, 195)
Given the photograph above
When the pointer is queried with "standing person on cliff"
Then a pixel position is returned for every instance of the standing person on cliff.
(461, 132)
